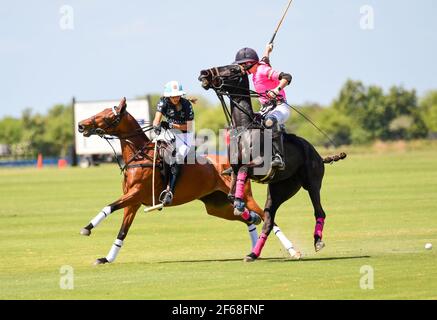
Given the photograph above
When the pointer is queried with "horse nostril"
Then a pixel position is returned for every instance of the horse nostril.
(205, 83)
(80, 128)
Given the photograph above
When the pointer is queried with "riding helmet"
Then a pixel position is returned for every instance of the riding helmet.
(246, 55)
(173, 89)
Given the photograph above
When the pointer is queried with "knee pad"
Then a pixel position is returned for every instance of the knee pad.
(270, 122)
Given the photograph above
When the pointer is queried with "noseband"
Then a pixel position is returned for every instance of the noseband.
(109, 124)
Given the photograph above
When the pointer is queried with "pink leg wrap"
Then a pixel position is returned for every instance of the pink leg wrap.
(320, 222)
(246, 214)
(260, 244)
(241, 180)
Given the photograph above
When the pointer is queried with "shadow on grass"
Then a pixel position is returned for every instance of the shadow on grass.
(273, 259)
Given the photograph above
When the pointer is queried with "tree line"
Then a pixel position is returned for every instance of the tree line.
(359, 114)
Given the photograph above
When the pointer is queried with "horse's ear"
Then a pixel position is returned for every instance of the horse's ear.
(122, 106)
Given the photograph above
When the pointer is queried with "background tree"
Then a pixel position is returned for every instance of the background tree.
(428, 110)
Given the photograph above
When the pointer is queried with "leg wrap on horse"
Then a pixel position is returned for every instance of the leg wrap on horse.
(260, 244)
(288, 245)
(114, 250)
(318, 230)
(241, 180)
(253, 235)
(106, 211)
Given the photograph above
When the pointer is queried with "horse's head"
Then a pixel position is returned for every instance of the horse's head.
(104, 122)
(218, 77)
(231, 81)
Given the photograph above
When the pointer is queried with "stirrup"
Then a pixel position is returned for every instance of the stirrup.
(277, 162)
(166, 197)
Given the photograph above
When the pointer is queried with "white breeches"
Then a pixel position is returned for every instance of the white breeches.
(184, 141)
(281, 113)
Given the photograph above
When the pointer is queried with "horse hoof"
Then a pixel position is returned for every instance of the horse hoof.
(319, 245)
(255, 218)
(85, 232)
(250, 257)
(294, 255)
(100, 261)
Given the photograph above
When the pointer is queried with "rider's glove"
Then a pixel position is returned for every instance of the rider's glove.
(165, 125)
(157, 130)
(272, 94)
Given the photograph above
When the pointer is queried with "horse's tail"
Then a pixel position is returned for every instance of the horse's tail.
(334, 158)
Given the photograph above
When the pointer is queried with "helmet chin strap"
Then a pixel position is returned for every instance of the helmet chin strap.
(250, 66)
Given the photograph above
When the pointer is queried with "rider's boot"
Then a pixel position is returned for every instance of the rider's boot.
(175, 170)
(277, 143)
(278, 147)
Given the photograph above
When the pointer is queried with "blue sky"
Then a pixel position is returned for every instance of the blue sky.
(130, 48)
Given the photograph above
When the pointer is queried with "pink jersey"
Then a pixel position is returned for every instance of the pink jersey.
(264, 79)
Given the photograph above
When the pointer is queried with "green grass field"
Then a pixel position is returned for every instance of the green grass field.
(381, 210)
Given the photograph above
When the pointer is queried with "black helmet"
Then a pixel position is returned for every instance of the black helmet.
(246, 55)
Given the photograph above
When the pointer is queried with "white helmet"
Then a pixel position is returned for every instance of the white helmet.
(173, 89)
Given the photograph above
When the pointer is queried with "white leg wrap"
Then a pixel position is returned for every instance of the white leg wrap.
(285, 242)
(253, 233)
(114, 250)
(106, 211)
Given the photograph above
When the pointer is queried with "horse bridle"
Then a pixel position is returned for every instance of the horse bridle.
(109, 124)
(218, 83)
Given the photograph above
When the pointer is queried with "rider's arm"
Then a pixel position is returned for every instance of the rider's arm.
(266, 54)
(158, 118)
(284, 80)
(181, 127)
(268, 50)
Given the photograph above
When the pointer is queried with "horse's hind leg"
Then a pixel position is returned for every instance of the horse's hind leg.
(128, 218)
(320, 216)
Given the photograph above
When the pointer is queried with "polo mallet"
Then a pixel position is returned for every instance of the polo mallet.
(280, 22)
(158, 206)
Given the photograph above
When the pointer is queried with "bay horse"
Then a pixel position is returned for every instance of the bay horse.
(304, 167)
(197, 181)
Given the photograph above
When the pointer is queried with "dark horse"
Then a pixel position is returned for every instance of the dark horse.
(304, 166)
(138, 152)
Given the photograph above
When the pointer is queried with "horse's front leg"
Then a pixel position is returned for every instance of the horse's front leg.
(231, 194)
(129, 215)
(239, 203)
(127, 199)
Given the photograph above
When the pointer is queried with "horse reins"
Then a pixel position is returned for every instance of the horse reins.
(254, 94)
(127, 165)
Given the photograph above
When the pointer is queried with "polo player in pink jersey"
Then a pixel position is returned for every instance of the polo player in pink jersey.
(270, 84)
